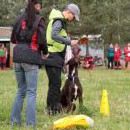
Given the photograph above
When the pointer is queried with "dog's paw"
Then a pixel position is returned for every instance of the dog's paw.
(71, 107)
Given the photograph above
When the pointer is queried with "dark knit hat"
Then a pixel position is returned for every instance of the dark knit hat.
(37, 1)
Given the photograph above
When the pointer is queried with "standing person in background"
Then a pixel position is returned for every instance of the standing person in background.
(117, 56)
(28, 32)
(57, 41)
(88, 62)
(127, 55)
(110, 56)
(3, 56)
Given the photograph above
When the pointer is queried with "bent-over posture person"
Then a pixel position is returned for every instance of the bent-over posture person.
(57, 41)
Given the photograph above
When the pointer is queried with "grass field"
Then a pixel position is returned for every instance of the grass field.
(117, 84)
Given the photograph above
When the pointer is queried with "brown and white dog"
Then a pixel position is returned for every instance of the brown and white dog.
(72, 88)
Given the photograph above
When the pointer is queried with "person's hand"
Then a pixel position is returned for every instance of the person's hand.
(45, 56)
(74, 42)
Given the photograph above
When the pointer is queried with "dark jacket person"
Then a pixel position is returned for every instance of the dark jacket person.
(29, 35)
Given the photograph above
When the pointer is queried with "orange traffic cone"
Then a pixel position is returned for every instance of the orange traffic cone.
(104, 107)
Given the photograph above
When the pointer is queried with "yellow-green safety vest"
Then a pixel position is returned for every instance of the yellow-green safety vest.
(54, 46)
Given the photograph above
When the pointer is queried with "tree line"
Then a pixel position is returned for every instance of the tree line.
(111, 18)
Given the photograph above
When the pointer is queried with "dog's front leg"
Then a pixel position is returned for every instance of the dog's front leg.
(68, 103)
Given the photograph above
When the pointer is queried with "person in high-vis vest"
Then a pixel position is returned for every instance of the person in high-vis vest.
(3, 56)
(57, 41)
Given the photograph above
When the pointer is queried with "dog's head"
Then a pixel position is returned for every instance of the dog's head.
(74, 61)
(76, 51)
(76, 56)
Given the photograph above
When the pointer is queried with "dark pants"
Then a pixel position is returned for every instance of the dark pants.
(2, 62)
(110, 62)
(117, 64)
(126, 64)
(53, 97)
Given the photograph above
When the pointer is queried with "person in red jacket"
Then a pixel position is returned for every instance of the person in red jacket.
(127, 54)
(88, 62)
(117, 56)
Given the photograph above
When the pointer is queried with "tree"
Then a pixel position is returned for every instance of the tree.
(107, 17)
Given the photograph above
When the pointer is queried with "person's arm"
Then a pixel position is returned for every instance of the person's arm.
(107, 52)
(13, 37)
(42, 37)
(56, 28)
(113, 50)
(15, 30)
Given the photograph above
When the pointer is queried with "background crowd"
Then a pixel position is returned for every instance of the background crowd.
(3, 56)
(115, 56)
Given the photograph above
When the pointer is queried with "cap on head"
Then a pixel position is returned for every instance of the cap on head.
(75, 10)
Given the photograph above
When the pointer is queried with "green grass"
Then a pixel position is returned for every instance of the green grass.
(117, 84)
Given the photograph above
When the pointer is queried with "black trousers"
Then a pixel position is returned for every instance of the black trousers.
(126, 64)
(110, 62)
(117, 64)
(53, 97)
